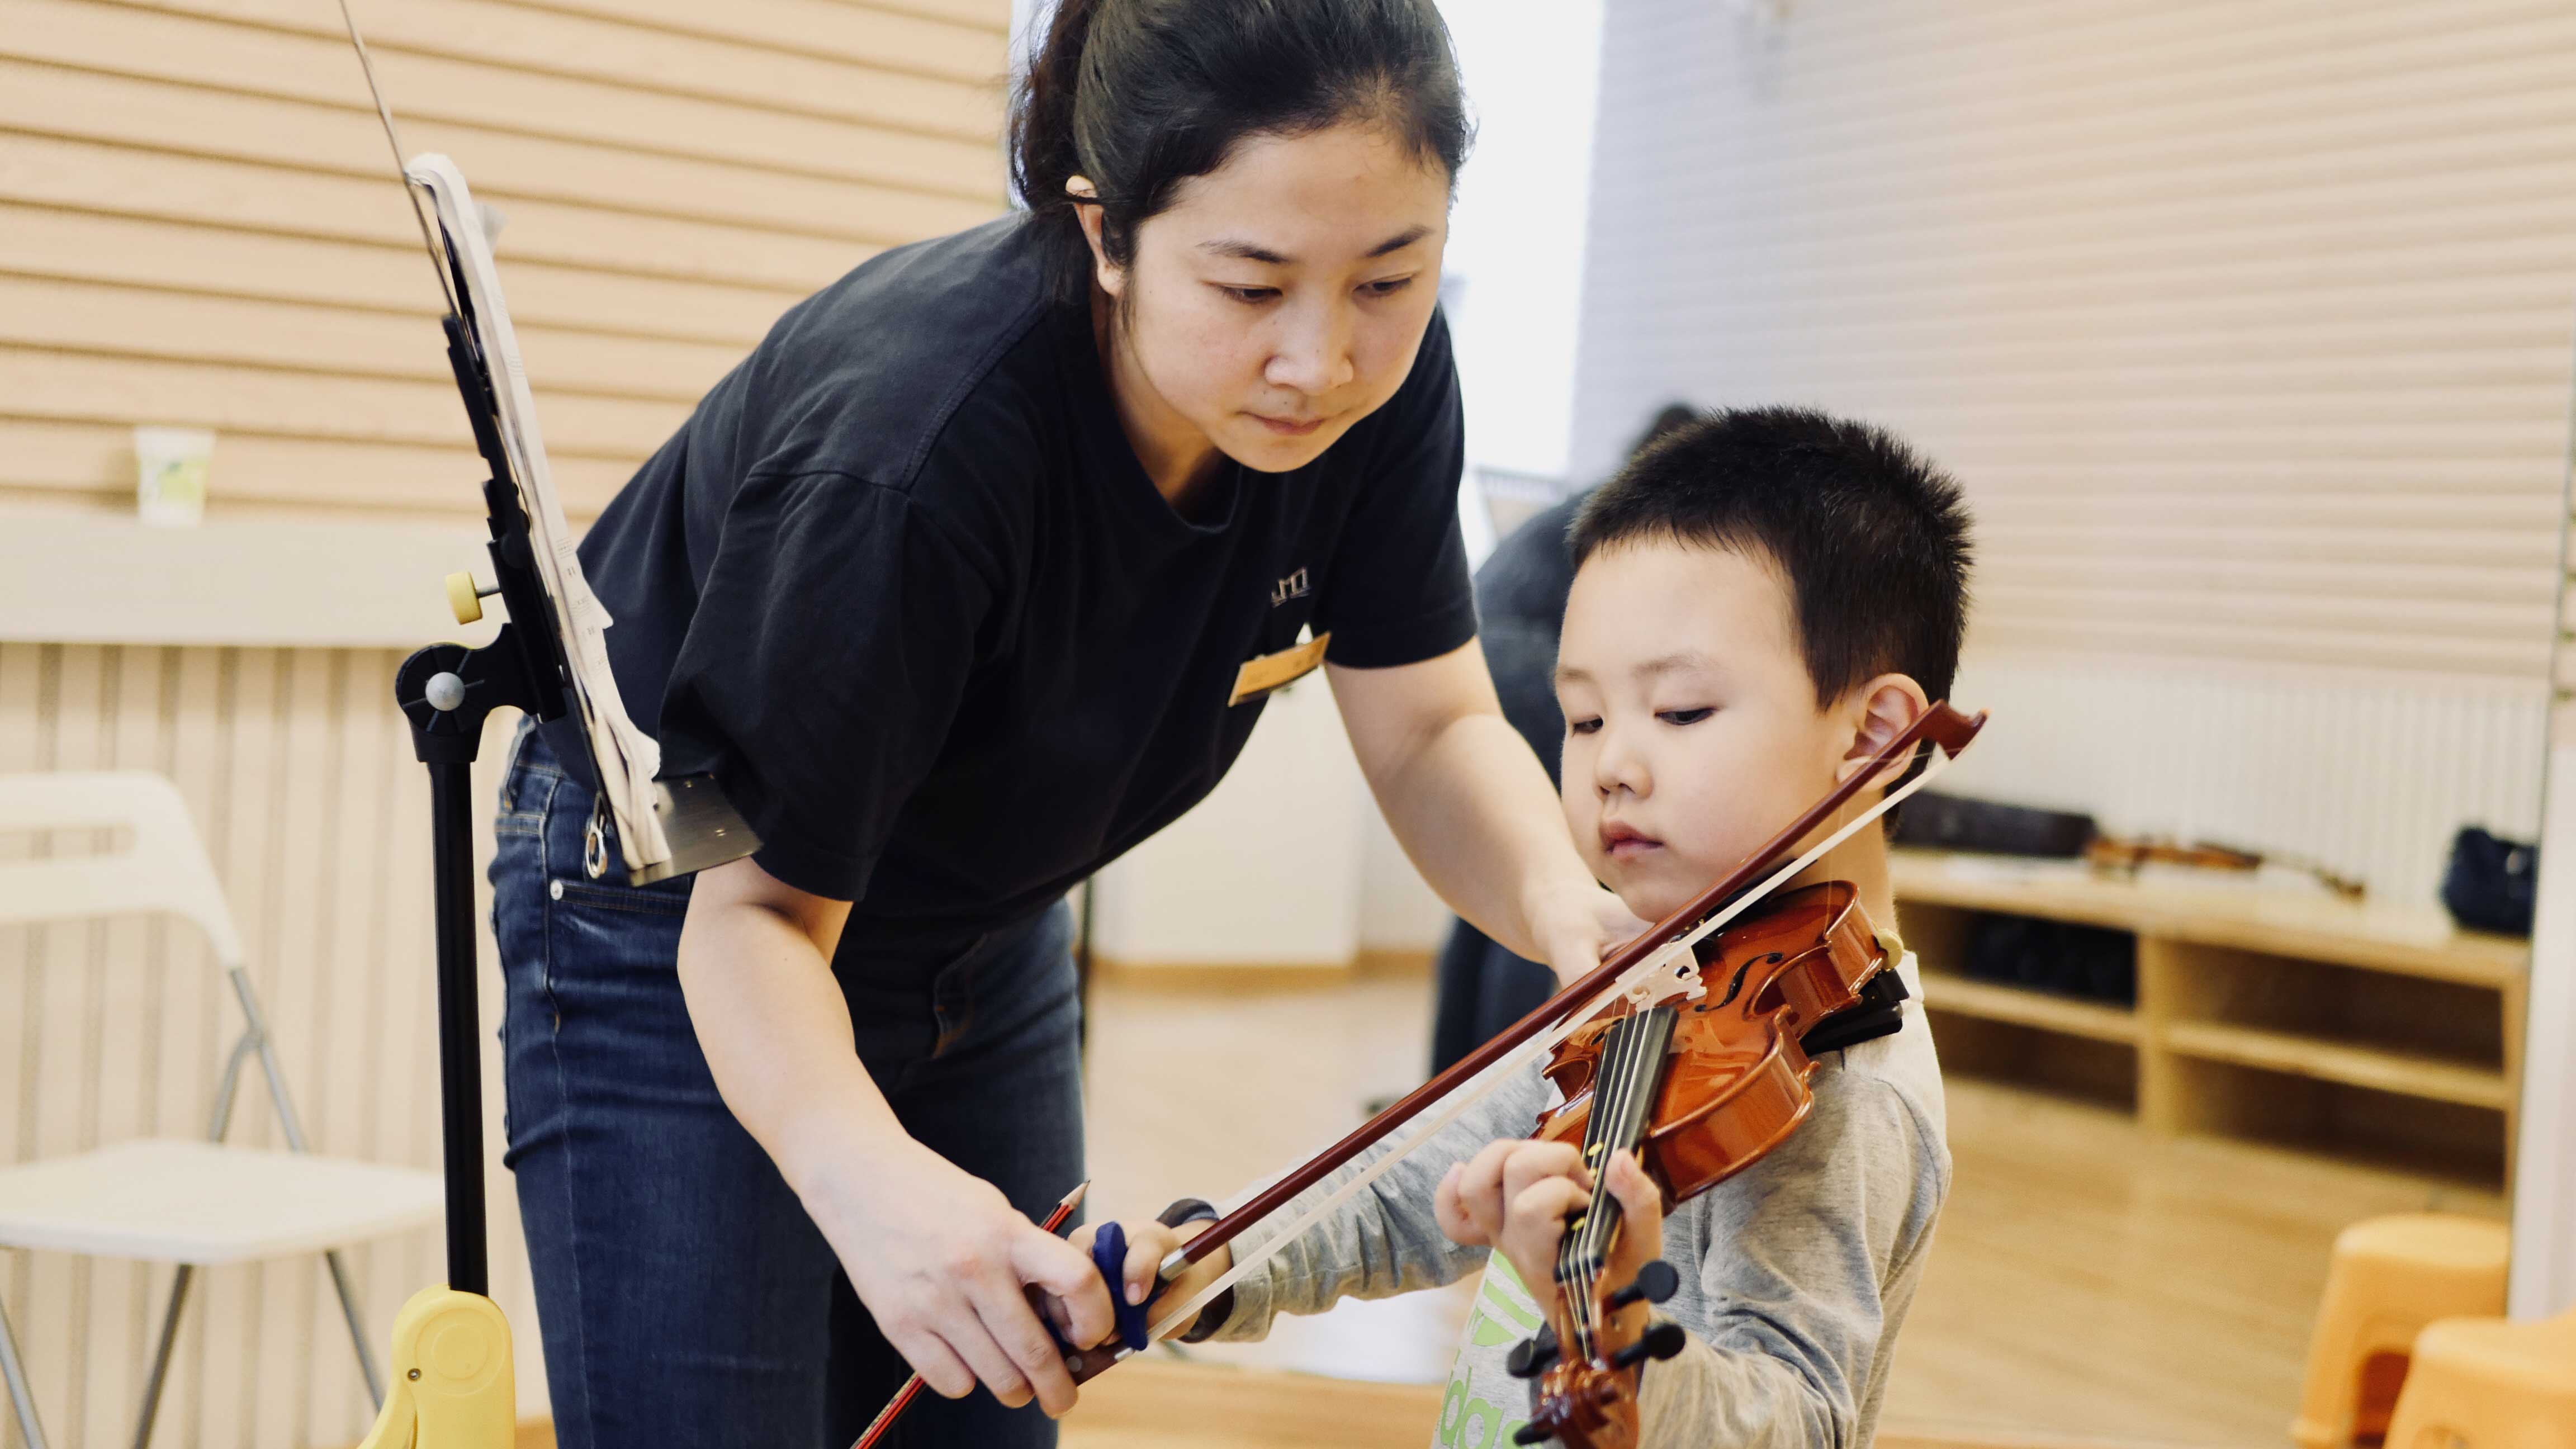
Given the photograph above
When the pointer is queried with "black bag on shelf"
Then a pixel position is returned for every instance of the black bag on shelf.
(2086, 961)
(1934, 821)
(2492, 882)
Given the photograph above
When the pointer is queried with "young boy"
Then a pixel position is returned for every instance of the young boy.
(1762, 601)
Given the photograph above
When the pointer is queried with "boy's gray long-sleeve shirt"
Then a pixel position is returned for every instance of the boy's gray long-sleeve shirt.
(1795, 1273)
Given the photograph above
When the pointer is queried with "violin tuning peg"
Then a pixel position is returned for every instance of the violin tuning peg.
(1654, 1283)
(1532, 1433)
(1531, 1356)
(1660, 1342)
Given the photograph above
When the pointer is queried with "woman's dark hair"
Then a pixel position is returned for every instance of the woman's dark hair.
(1141, 95)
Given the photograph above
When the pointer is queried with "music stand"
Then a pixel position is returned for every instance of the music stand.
(453, 1385)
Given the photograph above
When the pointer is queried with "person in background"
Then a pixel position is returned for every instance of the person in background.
(1484, 986)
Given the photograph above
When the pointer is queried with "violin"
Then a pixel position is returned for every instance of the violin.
(1702, 1076)
(1646, 972)
(2126, 855)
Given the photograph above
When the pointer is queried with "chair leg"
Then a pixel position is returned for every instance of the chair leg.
(161, 1355)
(255, 1038)
(357, 1330)
(20, 1397)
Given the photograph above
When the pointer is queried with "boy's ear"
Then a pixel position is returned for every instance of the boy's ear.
(1879, 711)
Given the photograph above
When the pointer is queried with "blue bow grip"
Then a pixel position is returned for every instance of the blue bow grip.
(1109, 1255)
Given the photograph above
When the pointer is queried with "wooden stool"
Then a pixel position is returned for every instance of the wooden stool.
(2484, 1383)
(2391, 1276)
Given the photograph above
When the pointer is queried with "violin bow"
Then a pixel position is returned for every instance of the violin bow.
(1941, 726)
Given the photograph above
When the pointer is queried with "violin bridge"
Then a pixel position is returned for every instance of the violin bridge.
(1673, 977)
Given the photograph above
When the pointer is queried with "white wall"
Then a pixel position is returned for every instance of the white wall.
(1515, 255)
(2544, 1203)
(2244, 327)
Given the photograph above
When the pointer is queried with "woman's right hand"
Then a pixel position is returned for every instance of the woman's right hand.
(942, 1261)
(938, 1256)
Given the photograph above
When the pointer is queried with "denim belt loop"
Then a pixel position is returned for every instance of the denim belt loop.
(952, 994)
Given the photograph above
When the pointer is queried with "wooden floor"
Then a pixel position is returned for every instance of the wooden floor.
(2086, 1283)
(2087, 1280)
(2088, 1286)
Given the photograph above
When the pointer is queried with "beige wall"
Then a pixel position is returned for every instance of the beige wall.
(199, 225)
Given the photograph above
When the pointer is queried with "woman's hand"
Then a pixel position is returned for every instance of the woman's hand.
(939, 1257)
(1581, 925)
(943, 1262)
(1516, 1196)
(1148, 1244)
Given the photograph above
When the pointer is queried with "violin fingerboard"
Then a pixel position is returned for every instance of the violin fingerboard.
(1628, 1081)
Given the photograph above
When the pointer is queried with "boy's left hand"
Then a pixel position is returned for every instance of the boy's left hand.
(1516, 1196)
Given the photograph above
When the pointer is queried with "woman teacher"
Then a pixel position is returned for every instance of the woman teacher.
(967, 580)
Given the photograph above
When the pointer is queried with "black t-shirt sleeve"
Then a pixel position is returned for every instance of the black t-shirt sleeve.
(831, 642)
(1399, 591)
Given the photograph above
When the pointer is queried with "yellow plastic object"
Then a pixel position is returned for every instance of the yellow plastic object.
(463, 599)
(2484, 1383)
(2391, 1276)
(452, 1385)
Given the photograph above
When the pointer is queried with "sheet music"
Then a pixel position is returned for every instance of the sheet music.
(627, 759)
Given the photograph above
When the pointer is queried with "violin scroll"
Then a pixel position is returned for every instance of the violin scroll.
(1593, 1404)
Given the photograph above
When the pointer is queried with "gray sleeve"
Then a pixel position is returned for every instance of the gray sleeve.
(1384, 1240)
(1789, 1305)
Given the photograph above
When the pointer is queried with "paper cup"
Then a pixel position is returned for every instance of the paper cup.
(171, 468)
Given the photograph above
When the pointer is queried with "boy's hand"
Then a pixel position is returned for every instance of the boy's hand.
(1516, 1196)
(1148, 1243)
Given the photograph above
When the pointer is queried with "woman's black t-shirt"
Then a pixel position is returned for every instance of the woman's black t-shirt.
(902, 587)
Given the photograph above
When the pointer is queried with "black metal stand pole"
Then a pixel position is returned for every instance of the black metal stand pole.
(460, 1058)
(447, 691)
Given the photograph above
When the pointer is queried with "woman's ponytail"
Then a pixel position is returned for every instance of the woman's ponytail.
(1138, 96)
(1043, 149)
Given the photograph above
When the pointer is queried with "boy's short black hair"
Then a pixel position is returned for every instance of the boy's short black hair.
(1872, 538)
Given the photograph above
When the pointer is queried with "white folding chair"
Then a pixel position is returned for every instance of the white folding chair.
(190, 1203)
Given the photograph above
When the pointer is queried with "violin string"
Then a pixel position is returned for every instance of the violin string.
(1647, 1061)
(1609, 1108)
(1570, 1274)
(1248, 1258)
(1620, 1119)
(1636, 1068)
(1598, 1221)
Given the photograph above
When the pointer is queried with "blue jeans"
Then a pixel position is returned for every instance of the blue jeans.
(684, 1296)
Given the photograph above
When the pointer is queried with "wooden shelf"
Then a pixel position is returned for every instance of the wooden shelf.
(2208, 908)
(2401, 1033)
(2408, 1074)
(2025, 1007)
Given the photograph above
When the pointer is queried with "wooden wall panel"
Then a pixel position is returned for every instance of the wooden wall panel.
(94, 463)
(2247, 326)
(300, 778)
(199, 225)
